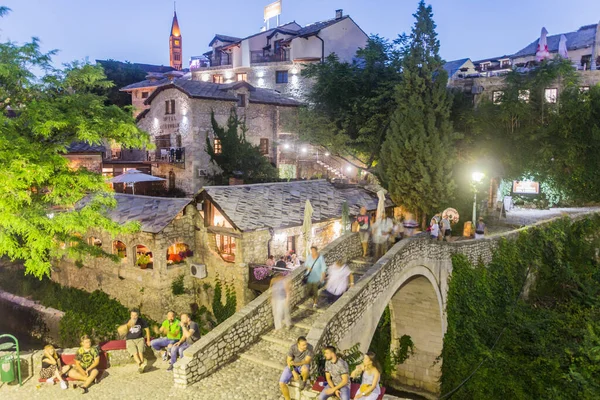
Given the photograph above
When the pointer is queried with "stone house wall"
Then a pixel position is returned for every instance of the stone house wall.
(92, 162)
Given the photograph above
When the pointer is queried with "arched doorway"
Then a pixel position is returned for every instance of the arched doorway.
(415, 311)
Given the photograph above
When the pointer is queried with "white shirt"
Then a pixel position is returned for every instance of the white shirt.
(435, 230)
(337, 283)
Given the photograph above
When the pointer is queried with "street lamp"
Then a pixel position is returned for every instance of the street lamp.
(477, 178)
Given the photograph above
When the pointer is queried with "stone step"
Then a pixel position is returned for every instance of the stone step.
(267, 354)
(310, 307)
(285, 337)
(304, 318)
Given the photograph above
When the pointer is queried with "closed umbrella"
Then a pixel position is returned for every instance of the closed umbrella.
(542, 48)
(345, 217)
(562, 47)
(381, 206)
(307, 227)
(134, 176)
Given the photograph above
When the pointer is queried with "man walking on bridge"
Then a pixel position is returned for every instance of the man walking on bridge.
(298, 365)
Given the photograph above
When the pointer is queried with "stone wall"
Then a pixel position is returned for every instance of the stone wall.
(91, 162)
(223, 343)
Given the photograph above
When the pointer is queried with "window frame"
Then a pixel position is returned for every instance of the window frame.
(217, 146)
(226, 246)
(264, 146)
(218, 78)
(241, 102)
(145, 95)
(547, 98)
(279, 74)
(243, 75)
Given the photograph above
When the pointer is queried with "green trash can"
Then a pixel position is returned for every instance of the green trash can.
(7, 368)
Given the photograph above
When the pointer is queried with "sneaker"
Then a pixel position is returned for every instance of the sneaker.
(84, 390)
(170, 368)
(144, 365)
(63, 385)
(50, 381)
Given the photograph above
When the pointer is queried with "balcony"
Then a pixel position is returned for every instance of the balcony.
(260, 57)
(167, 155)
(207, 62)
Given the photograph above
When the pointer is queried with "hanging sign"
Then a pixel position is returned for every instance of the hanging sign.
(526, 187)
(273, 10)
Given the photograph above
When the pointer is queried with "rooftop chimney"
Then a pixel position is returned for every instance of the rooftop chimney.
(339, 14)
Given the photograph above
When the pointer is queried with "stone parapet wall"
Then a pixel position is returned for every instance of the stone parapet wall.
(246, 326)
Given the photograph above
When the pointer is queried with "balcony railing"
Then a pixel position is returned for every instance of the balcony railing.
(261, 57)
(199, 63)
(171, 155)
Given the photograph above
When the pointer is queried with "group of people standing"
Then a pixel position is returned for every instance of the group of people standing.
(337, 373)
(383, 232)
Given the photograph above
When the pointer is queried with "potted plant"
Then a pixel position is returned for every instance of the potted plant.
(143, 261)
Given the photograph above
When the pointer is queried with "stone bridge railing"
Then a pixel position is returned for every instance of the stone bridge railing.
(246, 326)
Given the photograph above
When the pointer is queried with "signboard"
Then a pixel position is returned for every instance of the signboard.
(273, 10)
(526, 187)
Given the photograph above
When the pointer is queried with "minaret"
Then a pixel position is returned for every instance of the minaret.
(175, 44)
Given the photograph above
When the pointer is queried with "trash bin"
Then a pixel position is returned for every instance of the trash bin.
(7, 368)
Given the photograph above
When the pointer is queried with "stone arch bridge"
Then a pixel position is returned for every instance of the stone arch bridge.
(412, 278)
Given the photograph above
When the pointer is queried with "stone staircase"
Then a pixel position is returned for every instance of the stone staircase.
(266, 358)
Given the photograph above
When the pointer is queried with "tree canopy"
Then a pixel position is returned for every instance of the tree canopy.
(121, 74)
(40, 116)
(350, 103)
(418, 154)
(236, 156)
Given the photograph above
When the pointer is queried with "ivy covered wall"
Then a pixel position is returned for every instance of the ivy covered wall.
(527, 338)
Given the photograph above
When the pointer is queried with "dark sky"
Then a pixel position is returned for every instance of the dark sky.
(137, 30)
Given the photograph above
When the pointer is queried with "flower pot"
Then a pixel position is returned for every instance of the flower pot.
(143, 266)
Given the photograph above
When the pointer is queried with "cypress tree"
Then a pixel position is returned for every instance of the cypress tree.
(418, 154)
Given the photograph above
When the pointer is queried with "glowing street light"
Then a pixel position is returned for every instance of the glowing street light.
(286, 146)
(477, 178)
(348, 169)
(327, 154)
(304, 150)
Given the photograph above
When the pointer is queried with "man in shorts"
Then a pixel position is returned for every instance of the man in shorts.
(315, 274)
(86, 363)
(364, 226)
(298, 366)
(337, 375)
(134, 339)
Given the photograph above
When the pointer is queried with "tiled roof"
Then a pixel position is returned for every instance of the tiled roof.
(153, 213)
(280, 205)
(584, 37)
(317, 26)
(216, 91)
(452, 66)
(145, 83)
(224, 39)
(84, 147)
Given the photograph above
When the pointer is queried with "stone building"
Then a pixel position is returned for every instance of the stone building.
(220, 234)
(274, 58)
(179, 121)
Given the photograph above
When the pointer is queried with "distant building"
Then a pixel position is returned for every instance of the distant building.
(273, 58)
(460, 68)
(175, 45)
(493, 66)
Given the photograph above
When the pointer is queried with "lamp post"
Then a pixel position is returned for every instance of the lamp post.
(477, 178)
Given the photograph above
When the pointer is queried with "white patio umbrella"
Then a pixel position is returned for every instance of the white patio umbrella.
(542, 48)
(380, 206)
(307, 227)
(134, 176)
(562, 47)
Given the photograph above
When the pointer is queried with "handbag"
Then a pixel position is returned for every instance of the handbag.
(305, 277)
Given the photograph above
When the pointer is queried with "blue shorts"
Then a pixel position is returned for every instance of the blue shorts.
(286, 375)
(344, 393)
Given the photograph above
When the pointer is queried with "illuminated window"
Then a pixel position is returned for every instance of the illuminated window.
(524, 96)
(218, 78)
(241, 100)
(264, 146)
(226, 247)
(241, 77)
(551, 95)
(144, 95)
(177, 253)
(119, 249)
(217, 146)
(143, 257)
(497, 96)
(281, 77)
(169, 107)
(177, 43)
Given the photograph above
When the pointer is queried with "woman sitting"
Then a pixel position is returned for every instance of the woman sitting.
(52, 369)
(371, 372)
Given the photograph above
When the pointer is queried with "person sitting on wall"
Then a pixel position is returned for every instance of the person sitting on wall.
(337, 375)
(51, 367)
(172, 330)
(134, 338)
(86, 363)
(190, 335)
(298, 365)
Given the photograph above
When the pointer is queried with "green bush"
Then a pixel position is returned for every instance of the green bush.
(177, 286)
(95, 314)
(221, 310)
(541, 346)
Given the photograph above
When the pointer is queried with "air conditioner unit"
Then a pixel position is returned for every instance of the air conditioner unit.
(198, 270)
(202, 172)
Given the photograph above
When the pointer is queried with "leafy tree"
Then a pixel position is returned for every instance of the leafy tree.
(418, 154)
(238, 157)
(121, 74)
(350, 104)
(39, 119)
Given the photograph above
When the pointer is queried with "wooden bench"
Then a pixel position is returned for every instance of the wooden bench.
(354, 387)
